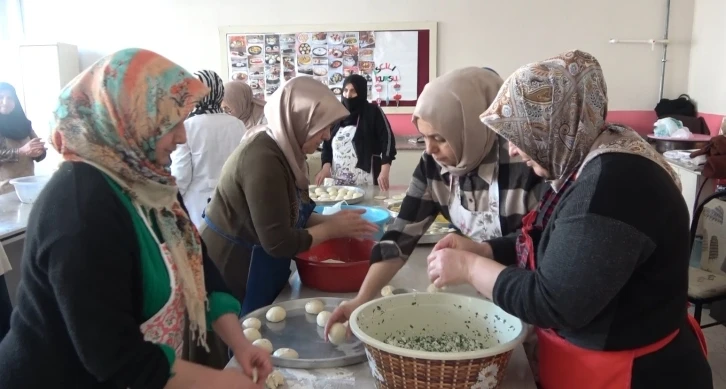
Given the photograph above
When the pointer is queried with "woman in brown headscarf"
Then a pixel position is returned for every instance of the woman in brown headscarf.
(260, 215)
(601, 266)
(466, 175)
(238, 102)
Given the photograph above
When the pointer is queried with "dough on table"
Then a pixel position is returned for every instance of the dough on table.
(380, 197)
(387, 291)
(276, 314)
(286, 353)
(252, 334)
(323, 318)
(399, 197)
(252, 322)
(263, 344)
(274, 380)
(314, 307)
(337, 333)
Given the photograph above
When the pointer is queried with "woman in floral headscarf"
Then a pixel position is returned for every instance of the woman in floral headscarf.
(603, 261)
(113, 264)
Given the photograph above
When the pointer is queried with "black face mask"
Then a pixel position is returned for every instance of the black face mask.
(360, 85)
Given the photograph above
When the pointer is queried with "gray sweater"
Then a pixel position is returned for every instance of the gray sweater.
(612, 262)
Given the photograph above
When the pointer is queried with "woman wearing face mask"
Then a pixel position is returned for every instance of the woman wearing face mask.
(601, 266)
(260, 215)
(465, 174)
(19, 146)
(362, 147)
(113, 267)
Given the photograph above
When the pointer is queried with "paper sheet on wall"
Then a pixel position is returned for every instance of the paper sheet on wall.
(396, 71)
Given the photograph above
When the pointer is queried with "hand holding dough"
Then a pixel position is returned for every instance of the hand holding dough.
(263, 344)
(314, 307)
(252, 322)
(286, 353)
(252, 334)
(337, 334)
(276, 314)
(322, 318)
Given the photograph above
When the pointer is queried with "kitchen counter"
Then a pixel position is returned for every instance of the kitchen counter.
(402, 143)
(13, 217)
(413, 275)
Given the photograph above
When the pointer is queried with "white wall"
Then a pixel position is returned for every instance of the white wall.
(502, 34)
(707, 79)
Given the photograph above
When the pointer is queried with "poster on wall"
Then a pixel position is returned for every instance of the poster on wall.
(264, 61)
(395, 72)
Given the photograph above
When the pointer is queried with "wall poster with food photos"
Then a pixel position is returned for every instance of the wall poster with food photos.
(389, 59)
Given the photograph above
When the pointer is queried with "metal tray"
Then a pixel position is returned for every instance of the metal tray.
(333, 202)
(300, 331)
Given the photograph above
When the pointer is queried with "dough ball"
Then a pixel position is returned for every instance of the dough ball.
(314, 307)
(342, 191)
(313, 197)
(276, 314)
(252, 322)
(286, 353)
(387, 291)
(319, 191)
(263, 344)
(322, 318)
(357, 195)
(252, 334)
(332, 190)
(274, 380)
(348, 197)
(433, 289)
(336, 335)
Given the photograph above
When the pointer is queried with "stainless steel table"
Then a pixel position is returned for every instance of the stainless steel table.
(413, 275)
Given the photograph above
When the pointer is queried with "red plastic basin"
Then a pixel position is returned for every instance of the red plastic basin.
(335, 277)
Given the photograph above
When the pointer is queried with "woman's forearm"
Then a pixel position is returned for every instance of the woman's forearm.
(379, 275)
(227, 327)
(483, 274)
(316, 219)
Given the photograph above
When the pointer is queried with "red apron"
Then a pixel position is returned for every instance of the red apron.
(563, 365)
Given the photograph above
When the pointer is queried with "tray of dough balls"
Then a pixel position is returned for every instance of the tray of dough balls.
(330, 195)
(292, 331)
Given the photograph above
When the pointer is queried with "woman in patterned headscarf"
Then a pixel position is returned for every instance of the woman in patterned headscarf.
(113, 264)
(603, 261)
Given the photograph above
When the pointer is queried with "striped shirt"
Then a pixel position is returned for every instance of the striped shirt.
(430, 194)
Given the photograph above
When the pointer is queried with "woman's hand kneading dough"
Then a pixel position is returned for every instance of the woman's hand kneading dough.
(349, 223)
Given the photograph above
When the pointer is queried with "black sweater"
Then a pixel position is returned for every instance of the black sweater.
(79, 308)
(612, 270)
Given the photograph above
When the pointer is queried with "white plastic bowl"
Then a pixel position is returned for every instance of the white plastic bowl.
(436, 314)
(28, 188)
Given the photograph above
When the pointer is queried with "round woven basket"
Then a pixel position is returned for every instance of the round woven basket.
(435, 314)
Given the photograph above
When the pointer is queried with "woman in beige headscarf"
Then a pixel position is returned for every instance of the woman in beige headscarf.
(239, 102)
(465, 174)
(261, 215)
(601, 266)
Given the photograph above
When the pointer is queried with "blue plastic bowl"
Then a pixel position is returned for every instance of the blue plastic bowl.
(375, 215)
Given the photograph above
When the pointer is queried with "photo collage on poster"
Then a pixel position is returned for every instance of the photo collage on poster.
(263, 60)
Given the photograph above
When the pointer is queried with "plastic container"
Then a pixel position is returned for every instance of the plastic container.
(335, 277)
(434, 314)
(28, 188)
(376, 215)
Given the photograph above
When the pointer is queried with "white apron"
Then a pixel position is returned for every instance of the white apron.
(167, 325)
(345, 159)
(479, 226)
